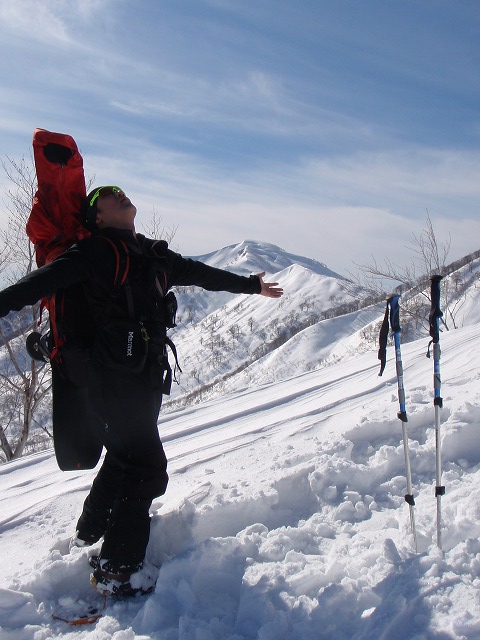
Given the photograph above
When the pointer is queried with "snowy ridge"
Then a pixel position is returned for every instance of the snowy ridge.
(321, 345)
(251, 256)
(285, 511)
(221, 334)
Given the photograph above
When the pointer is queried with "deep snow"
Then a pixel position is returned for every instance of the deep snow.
(284, 518)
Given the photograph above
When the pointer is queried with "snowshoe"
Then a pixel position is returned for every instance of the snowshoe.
(126, 584)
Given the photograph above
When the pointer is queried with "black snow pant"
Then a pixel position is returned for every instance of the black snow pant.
(134, 470)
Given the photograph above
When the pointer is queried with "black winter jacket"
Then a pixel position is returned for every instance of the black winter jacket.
(91, 263)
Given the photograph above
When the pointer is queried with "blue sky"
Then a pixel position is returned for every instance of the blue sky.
(327, 127)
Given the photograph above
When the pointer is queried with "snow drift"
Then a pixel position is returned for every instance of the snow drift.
(284, 518)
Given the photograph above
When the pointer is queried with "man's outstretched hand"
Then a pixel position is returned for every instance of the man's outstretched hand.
(269, 289)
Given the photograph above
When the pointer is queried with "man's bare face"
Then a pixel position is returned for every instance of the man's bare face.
(115, 210)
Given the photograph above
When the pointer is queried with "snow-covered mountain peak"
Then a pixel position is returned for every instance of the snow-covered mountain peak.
(252, 256)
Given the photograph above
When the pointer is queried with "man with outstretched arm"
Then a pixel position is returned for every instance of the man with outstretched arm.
(134, 470)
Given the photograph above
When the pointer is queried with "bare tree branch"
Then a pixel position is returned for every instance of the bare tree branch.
(21, 389)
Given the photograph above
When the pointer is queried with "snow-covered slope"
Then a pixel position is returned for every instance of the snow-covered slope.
(284, 518)
(321, 345)
(334, 339)
(219, 334)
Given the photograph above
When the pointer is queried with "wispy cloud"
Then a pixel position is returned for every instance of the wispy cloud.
(339, 210)
(45, 21)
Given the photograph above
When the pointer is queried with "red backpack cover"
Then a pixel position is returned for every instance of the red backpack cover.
(54, 222)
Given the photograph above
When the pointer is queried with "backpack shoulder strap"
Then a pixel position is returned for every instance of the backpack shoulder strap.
(122, 263)
(158, 250)
(122, 267)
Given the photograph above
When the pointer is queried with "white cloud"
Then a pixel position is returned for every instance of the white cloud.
(402, 176)
(36, 19)
(339, 211)
(51, 22)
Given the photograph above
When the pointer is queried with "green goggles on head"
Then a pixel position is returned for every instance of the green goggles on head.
(103, 191)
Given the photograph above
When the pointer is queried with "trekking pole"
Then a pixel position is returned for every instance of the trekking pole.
(434, 318)
(393, 303)
(402, 414)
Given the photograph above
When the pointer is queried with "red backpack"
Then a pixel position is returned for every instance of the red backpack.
(53, 226)
(54, 223)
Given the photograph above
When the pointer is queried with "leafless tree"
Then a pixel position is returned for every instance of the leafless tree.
(155, 228)
(412, 280)
(24, 383)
